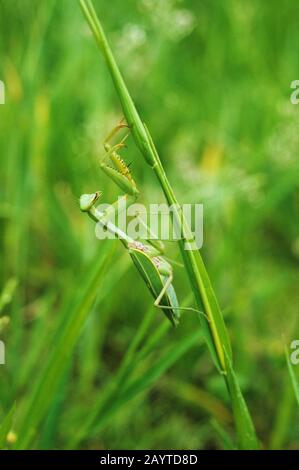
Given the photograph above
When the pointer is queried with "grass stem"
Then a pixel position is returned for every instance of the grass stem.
(213, 325)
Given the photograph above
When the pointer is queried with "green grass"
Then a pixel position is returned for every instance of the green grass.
(212, 322)
(82, 351)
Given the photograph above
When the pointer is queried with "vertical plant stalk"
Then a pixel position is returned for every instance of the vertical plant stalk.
(213, 325)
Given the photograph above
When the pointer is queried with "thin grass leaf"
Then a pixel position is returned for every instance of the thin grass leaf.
(289, 398)
(149, 377)
(198, 397)
(283, 416)
(223, 436)
(6, 425)
(68, 332)
(7, 293)
(244, 425)
(131, 360)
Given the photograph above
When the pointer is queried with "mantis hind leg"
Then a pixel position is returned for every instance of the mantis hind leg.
(163, 291)
(167, 307)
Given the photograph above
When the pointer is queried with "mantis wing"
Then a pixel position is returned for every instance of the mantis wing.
(155, 282)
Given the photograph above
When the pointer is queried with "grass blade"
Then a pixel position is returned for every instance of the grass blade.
(148, 378)
(244, 425)
(213, 325)
(6, 425)
(68, 333)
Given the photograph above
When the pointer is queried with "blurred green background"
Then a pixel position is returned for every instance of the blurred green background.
(212, 81)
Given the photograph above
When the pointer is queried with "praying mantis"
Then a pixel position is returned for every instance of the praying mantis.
(154, 269)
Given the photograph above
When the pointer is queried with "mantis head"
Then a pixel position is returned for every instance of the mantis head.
(88, 200)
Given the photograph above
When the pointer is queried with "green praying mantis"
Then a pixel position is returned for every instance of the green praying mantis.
(155, 270)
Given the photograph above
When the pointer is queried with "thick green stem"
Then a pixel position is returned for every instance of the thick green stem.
(214, 328)
(217, 337)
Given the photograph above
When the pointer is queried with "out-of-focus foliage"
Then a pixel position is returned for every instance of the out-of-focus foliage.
(212, 81)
